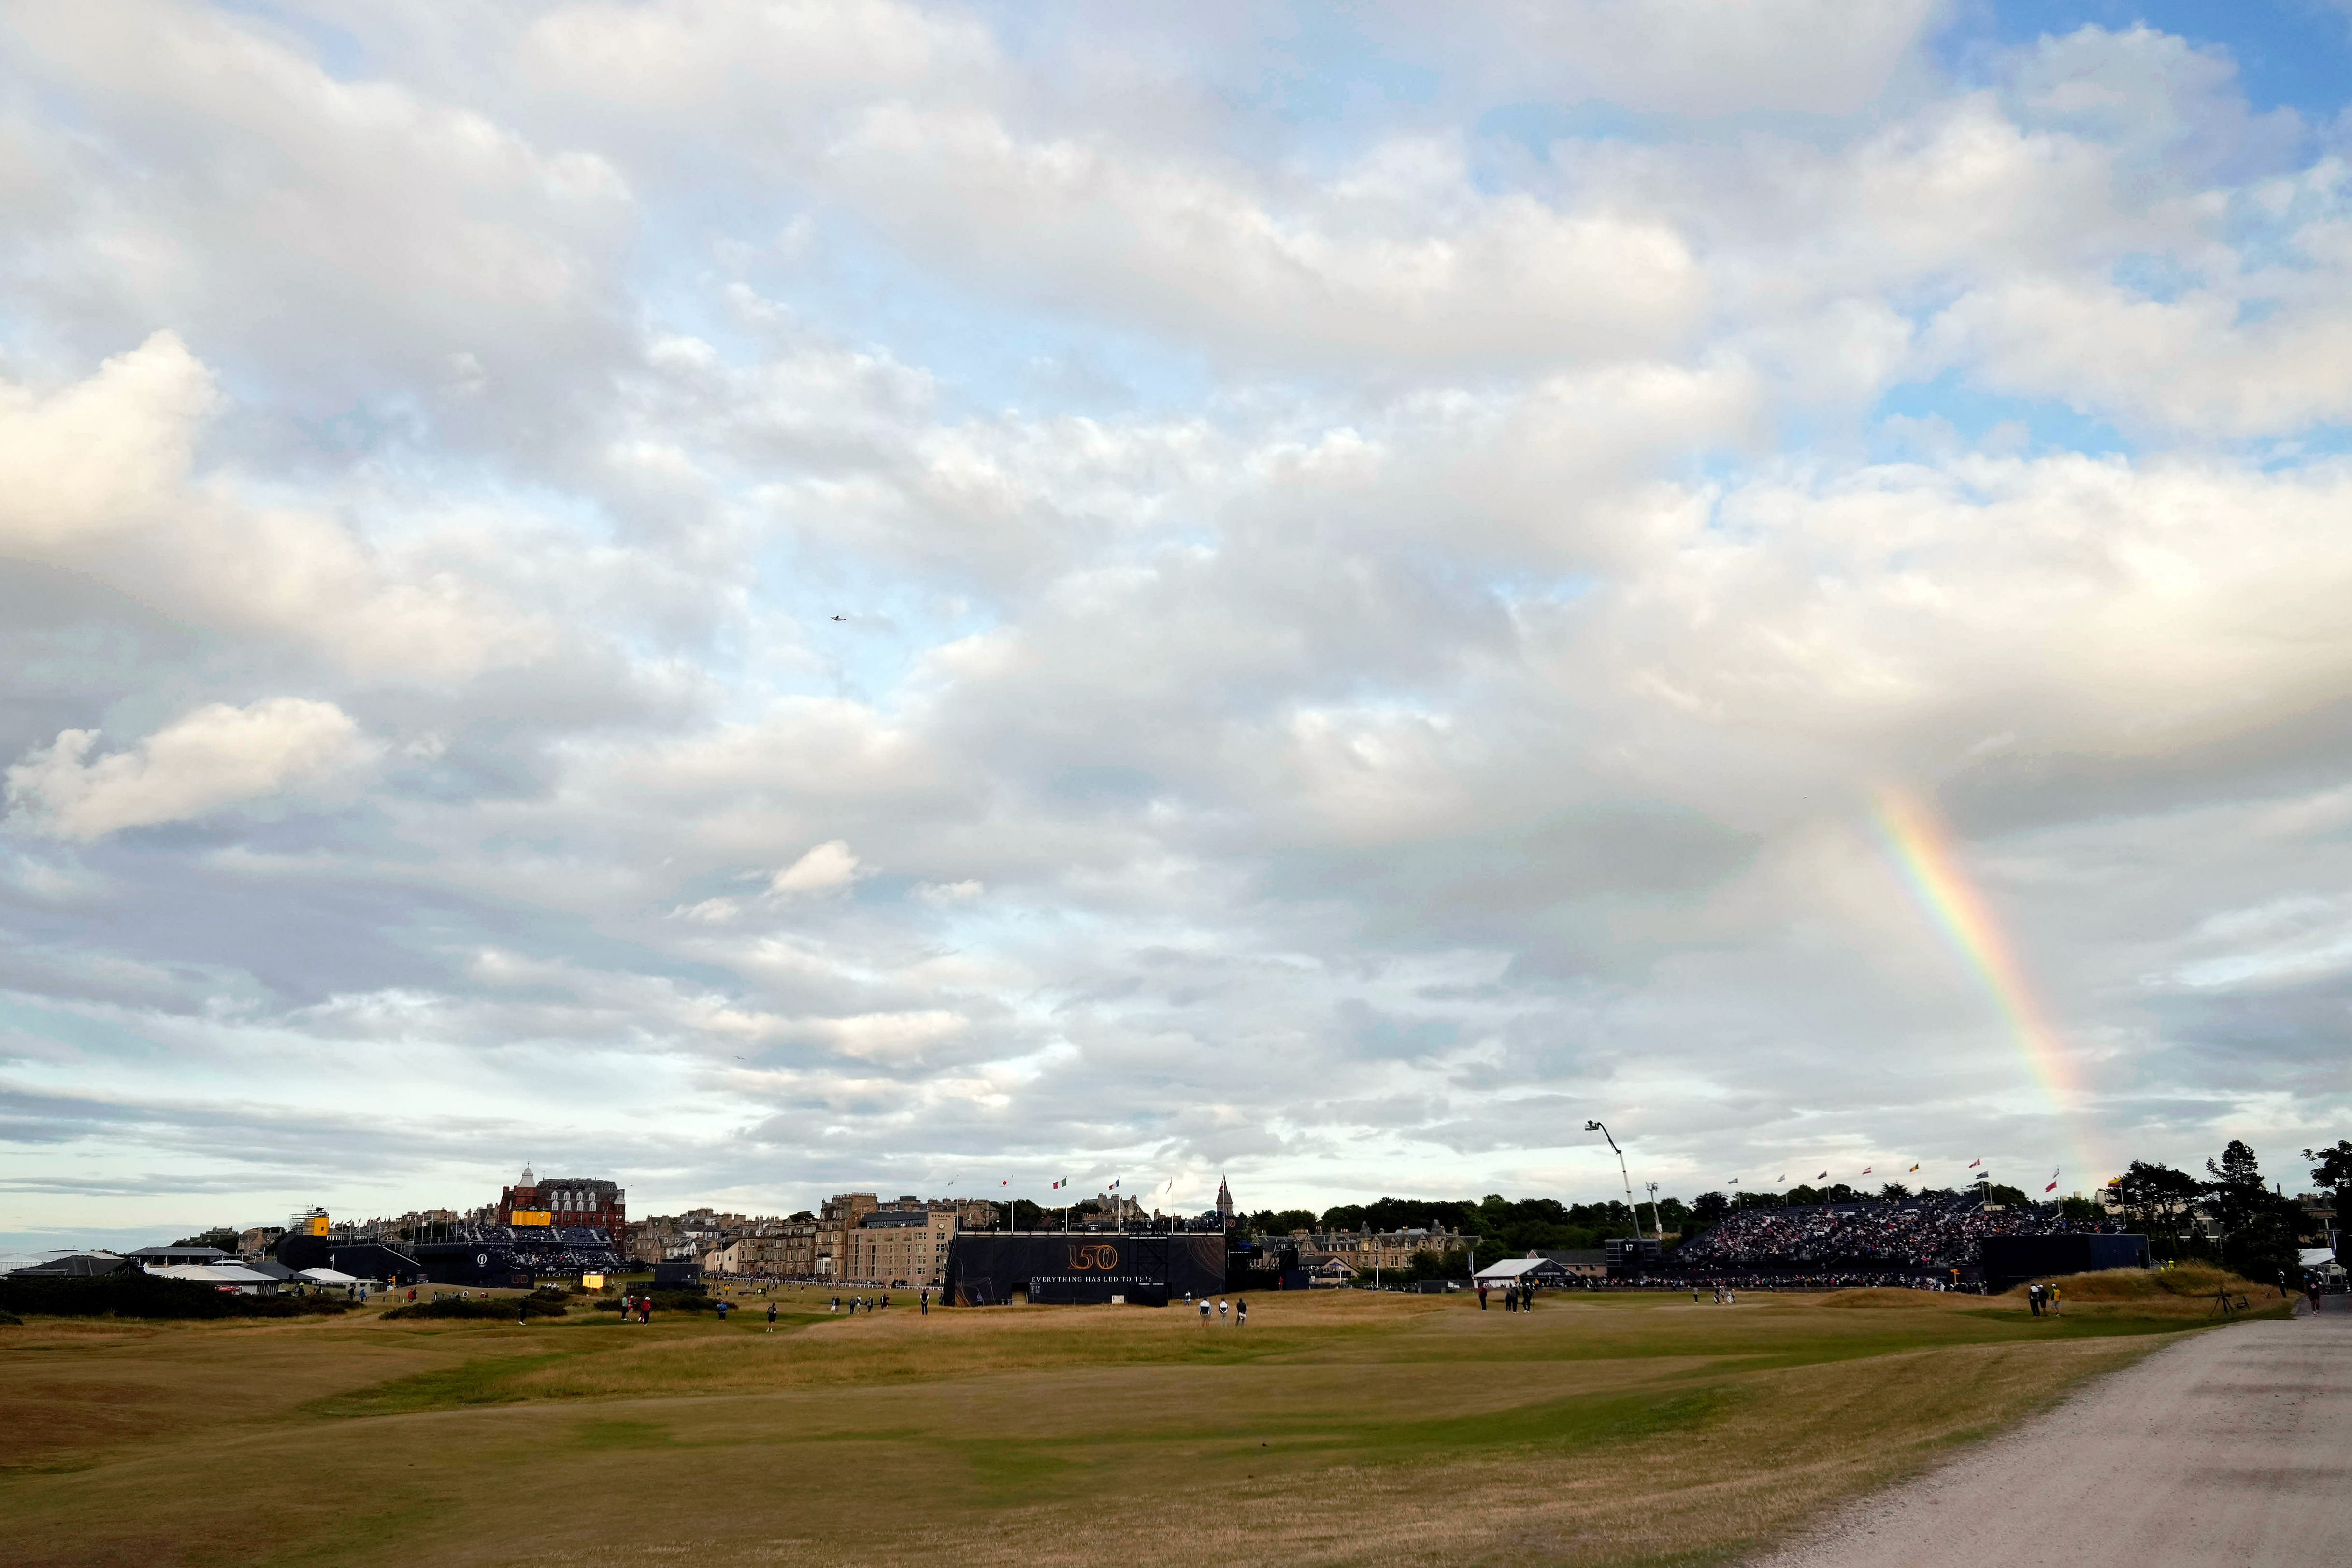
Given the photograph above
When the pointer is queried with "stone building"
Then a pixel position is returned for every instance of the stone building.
(900, 1246)
(1369, 1251)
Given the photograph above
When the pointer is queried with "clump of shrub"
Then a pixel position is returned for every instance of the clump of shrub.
(535, 1305)
(144, 1296)
(667, 1302)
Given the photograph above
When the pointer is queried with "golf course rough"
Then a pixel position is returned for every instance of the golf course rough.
(1337, 1427)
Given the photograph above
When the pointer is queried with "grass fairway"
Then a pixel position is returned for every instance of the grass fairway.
(1336, 1429)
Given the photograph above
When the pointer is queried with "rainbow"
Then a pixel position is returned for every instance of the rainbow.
(1924, 852)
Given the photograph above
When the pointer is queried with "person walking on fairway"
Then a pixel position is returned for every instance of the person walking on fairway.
(1241, 1314)
(771, 1314)
(1204, 1311)
(1220, 1308)
(924, 1301)
(1481, 1295)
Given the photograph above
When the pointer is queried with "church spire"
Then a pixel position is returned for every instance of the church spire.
(1225, 1202)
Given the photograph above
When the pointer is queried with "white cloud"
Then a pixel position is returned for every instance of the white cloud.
(100, 478)
(212, 759)
(824, 869)
(1401, 258)
(1367, 617)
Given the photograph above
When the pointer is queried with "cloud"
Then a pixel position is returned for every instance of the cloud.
(1349, 584)
(212, 759)
(100, 478)
(1362, 265)
(827, 868)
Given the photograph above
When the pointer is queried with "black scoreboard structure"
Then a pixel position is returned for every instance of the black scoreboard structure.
(986, 1268)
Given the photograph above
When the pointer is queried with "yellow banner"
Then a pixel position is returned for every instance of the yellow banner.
(532, 1216)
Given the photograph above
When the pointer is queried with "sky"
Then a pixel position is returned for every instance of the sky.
(769, 599)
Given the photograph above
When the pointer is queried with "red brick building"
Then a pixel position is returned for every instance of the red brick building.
(564, 1203)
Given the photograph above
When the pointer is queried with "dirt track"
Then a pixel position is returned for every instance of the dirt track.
(2233, 1447)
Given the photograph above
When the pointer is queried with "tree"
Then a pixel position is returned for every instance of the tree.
(1894, 1190)
(2080, 1208)
(2259, 1227)
(1708, 1211)
(2009, 1196)
(1429, 1265)
(2160, 1200)
(2237, 1186)
(2332, 1169)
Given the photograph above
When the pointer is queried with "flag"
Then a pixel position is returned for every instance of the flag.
(1865, 1170)
(1824, 1176)
(1734, 1182)
(1783, 1177)
(1114, 1184)
(1914, 1170)
(2054, 1180)
(1975, 1163)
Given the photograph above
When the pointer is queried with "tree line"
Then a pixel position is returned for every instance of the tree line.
(2261, 1228)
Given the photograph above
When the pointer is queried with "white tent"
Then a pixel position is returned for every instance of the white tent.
(226, 1276)
(328, 1276)
(1512, 1271)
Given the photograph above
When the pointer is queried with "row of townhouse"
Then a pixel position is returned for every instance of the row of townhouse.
(1367, 1252)
(855, 1236)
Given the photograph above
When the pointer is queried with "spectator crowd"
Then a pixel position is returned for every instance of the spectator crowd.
(1877, 1238)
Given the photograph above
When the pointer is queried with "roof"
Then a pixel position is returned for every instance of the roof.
(186, 1254)
(76, 1265)
(898, 1218)
(213, 1274)
(328, 1276)
(2317, 1257)
(1515, 1268)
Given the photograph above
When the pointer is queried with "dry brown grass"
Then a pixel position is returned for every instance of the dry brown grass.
(1348, 1429)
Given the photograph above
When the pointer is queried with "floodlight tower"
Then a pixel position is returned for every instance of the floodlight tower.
(1630, 1207)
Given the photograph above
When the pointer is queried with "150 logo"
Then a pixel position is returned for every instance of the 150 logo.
(1100, 1255)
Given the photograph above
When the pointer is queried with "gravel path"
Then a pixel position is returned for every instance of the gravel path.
(2233, 1447)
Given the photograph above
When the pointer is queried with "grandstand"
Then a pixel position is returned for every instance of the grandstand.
(462, 1253)
(1867, 1241)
